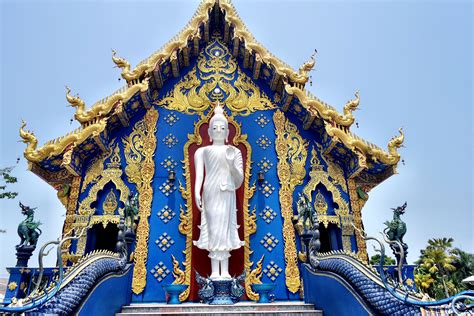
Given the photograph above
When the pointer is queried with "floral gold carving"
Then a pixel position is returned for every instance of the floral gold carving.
(70, 211)
(318, 175)
(140, 148)
(254, 277)
(292, 153)
(179, 275)
(217, 71)
(357, 204)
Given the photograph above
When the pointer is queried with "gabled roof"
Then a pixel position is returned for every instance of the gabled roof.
(68, 152)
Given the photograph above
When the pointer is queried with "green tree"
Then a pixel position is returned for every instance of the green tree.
(442, 268)
(375, 260)
(7, 178)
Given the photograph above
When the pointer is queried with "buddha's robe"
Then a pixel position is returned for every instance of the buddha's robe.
(219, 229)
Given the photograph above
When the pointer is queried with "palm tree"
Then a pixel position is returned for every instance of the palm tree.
(437, 259)
(441, 243)
(424, 281)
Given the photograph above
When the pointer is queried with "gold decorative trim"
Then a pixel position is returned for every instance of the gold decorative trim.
(354, 142)
(112, 174)
(139, 151)
(57, 146)
(356, 205)
(254, 276)
(318, 108)
(317, 176)
(292, 153)
(12, 286)
(178, 274)
(192, 32)
(103, 107)
(70, 211)
(190, 95)
(96, 168)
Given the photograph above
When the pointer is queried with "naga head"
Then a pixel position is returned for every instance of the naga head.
(75, 101)
(26, 210)
(396, 141)
(352, 105)
(119, 61)
(400, 210)
(308, 65)
(27, 136)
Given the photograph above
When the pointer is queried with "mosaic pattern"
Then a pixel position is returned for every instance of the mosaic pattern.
(166, 214)
(160, 271)
(171, 119)
(267, 188)
(262, 120)
(264, 142)
(265, 164)
(167, 187)
(268, 214)
(269, 242)
(170, 140)
(168, 163)
(272, 271)
(164, 242)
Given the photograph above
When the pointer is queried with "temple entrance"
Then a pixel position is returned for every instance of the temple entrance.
(100, 238)
(330, 237)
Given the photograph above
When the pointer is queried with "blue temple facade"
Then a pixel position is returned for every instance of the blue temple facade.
(141, 140)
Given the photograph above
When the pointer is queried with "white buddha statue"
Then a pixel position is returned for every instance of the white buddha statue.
(223, 168)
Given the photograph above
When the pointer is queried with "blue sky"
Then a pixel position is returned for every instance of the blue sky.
(411, 61)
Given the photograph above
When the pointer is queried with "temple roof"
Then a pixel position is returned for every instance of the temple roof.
(54, 162)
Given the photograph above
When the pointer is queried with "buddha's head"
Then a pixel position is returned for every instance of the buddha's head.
(218, 126)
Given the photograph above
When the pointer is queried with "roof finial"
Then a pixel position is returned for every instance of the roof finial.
(308, 65)
(395, 143)
(28, 137)
(75, 101)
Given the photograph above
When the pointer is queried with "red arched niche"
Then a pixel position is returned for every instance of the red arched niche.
(200, 261)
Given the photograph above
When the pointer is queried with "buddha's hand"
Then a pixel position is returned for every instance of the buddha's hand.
(230, 154)
(197, 198)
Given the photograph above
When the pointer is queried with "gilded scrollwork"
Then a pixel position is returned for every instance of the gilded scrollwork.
(70, 211)
(357, 203)
(213, 77)
(139, 150)
(113, 174)
(178, 274)
(254, 277)
(292, 153)
(317, 176)
(57, 146)
(103, 107)
(96, 167)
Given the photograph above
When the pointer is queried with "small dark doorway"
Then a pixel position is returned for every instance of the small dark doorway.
(100, 238)
(330, 237)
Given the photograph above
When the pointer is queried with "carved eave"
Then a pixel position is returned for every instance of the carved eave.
(53, 178)
(198, 28)
(104, 107)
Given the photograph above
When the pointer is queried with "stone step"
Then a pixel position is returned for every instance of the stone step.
(241, 308)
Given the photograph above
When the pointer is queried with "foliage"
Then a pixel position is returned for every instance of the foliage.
(441, 268)
(7, 178)
(375, 260)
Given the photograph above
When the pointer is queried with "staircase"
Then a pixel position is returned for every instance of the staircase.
(242, 308)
